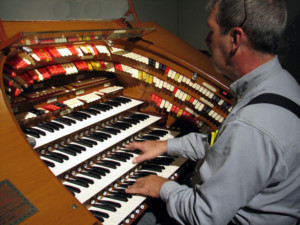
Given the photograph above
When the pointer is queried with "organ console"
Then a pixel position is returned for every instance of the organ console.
(73, 94)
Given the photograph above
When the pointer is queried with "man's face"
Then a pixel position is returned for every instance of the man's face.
(216, 43)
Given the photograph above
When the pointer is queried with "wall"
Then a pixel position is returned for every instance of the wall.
(62, 9)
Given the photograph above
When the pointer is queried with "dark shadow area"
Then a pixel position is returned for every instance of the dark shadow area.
(289, 51)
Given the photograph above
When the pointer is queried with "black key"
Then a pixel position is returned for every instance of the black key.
(124, 154)
(101, 168)
(124, 185)
(122, 99)
(118, 126)
(110, 130)
(152, 167)
(67, 151)
(111, 103)
(76, 147)
(50, 125)
(138, 175)
(111, 162)
(57, 124)
(62, 156)
(53, 157)
(91, 111)
(125, 124)
(105, 164)
(122, 192)
(40, 132)
(72, 189)
(54, 125)
(146, 173)
(102, 135)
(158, 132)
(31, 132)
(70, 148)
(81, 114)
(118, 103)
(89, 141)
(118, 158)
(97, 137)
(132, 121)
(96, 171)
(89, 181)
(63, 121)
(45, 127)
(150, 138)
(139, 116)
(99, 218)
(91, 174)
(48, 163)
(117, 197)
(106, 207)
(119, 99)
(98, 213)
(102, 107)
(111, 203)
(68, 120)
(75, 117)
(84, 142)
(78, 182)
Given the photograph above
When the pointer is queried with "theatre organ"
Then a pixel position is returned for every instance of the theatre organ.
(73, 94)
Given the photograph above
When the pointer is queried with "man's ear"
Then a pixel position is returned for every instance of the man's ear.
(236, 35)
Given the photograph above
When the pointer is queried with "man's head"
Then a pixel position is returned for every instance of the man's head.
(260, 23)
(262, 20)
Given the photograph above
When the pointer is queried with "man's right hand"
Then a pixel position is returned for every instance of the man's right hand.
(150, 149)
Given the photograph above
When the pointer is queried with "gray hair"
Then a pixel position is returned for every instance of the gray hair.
(263, 21)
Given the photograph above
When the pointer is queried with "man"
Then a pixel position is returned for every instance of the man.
(251, 175)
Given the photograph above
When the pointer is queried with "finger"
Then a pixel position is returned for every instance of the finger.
(131, 189)
(134, 189)
(140, 158)
(133, 145)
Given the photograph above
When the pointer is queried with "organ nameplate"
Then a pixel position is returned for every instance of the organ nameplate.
(14, 207)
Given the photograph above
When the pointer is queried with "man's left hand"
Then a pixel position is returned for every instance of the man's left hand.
(147, 186)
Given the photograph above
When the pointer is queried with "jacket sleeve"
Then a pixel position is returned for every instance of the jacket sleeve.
(192, 146)
(235, 169)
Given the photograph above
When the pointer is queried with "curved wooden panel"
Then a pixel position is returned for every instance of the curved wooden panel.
(20, 165)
